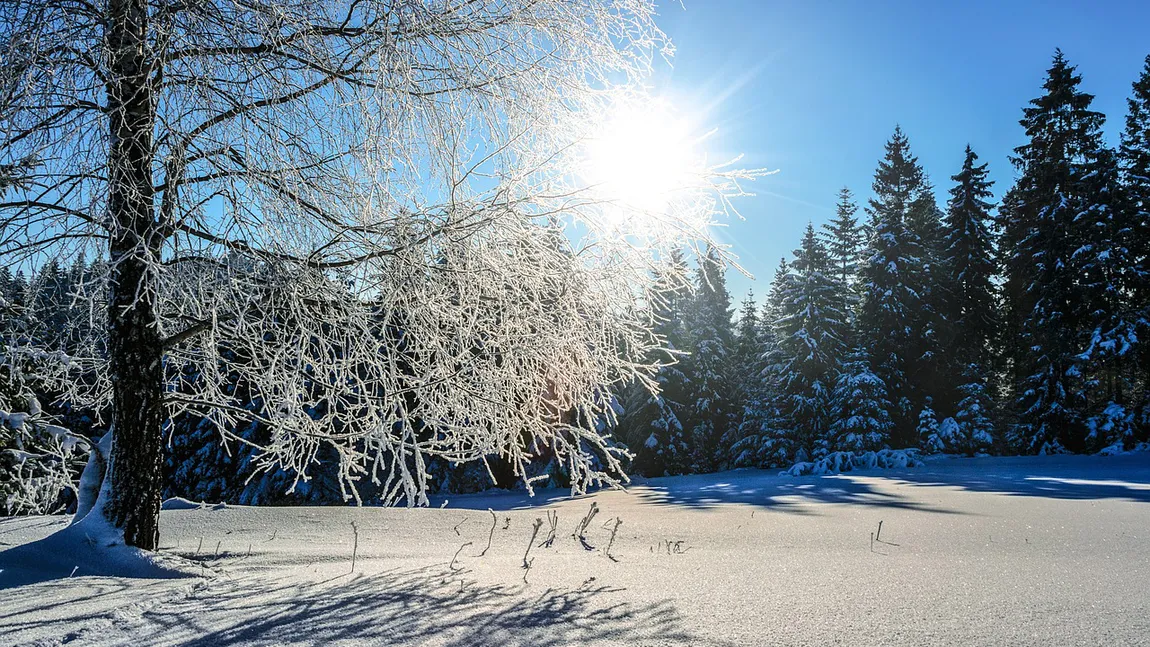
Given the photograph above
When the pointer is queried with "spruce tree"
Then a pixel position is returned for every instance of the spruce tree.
(861, 408)
(757, 446)
(710, 411)
(843, 238)
(890, 276)
(1043, 234)
(650, 424)
(969, 249)
(810, 332)
(1134, 160)
(933, 372)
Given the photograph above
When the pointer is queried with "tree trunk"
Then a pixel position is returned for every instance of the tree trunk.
(134, 344)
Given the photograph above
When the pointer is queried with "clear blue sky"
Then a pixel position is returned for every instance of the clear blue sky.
(814, 88)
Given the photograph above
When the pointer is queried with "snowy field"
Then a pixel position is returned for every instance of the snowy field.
(1018, 551)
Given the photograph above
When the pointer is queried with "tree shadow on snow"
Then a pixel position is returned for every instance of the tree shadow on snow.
(1057, 477)
(766, 489)
(1079, 478)
(425, 606)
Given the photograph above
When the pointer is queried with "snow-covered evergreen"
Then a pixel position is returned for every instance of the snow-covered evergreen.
(710, 411)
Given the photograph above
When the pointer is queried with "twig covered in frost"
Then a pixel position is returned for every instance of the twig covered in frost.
(530, 542)
(490, 535)
(614, 531)
(581, 527)
(354, 545)
(553, 519)
(456, 556)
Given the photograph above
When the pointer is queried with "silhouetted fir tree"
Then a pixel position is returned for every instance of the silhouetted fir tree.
(810, 331)
(1043, 236)
(1134, 161)
(889, 276)
(710, 411)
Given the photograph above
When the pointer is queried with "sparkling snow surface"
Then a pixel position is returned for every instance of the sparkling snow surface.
(1012, 551)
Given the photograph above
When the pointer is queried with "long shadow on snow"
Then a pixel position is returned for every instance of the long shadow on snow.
(417, 606)
(1060, 477)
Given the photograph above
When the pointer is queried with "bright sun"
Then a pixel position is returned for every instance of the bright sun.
(640, 157)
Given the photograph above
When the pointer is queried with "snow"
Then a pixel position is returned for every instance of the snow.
(1019, 551)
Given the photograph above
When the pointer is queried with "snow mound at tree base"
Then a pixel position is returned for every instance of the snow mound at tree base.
(837, 462)
(89, 547)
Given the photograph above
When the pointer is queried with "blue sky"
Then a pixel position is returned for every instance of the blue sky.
(815, 88)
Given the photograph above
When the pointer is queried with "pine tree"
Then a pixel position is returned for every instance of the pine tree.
(1134, 160)
(1043, 234)
(889, 275)
(843, 238)
(810, 332)
(928, 427)
(969, 249)
(974, 418)
(933, 374)
(861, 408)
(710, 411)
(757, 444)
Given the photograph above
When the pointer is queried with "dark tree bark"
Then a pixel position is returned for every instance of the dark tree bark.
(134, 343)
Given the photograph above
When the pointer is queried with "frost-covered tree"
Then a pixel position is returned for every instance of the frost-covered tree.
(1042, 239)
(969, 248)
(890, 279)
(710, 406)
(361, 198)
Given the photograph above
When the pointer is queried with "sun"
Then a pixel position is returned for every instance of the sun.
(640, 157)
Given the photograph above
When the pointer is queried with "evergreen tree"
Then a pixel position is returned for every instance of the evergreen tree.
(932, 372)
(650, 424)
(1134, 158)
(709, 406)
(757, 445)
(928, 427)
(889, 276)
(1043, 234)
(861, 408)
(843, 238)
(974, 418)
(969, 249)
(810, 332)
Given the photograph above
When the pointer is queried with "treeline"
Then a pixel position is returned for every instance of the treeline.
(969, 328)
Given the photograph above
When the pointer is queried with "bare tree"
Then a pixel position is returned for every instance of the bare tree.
(368, 201)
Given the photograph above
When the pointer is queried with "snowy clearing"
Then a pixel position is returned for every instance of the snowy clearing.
(1050, 550)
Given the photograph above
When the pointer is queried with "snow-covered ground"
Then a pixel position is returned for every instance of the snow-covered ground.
(1043, 551)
